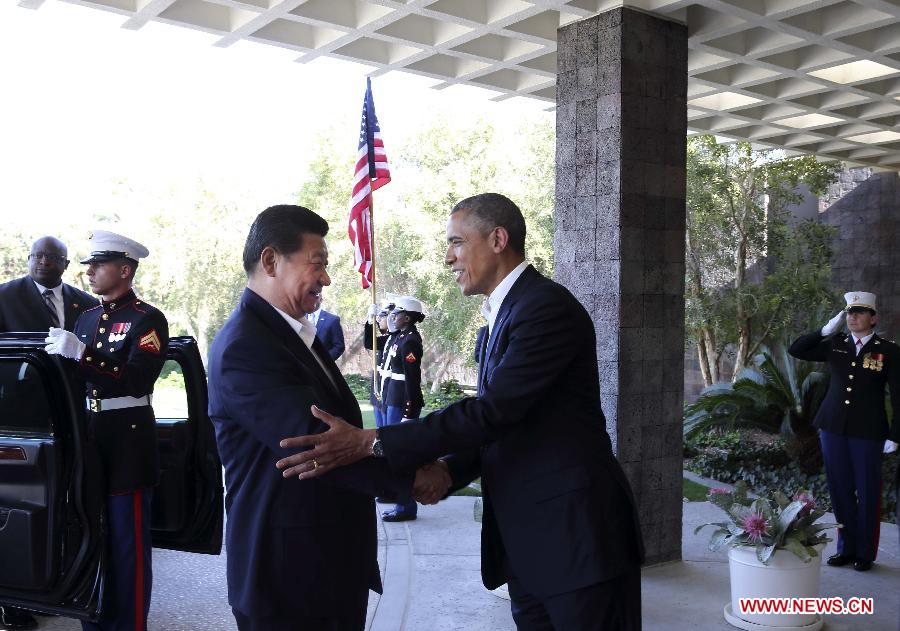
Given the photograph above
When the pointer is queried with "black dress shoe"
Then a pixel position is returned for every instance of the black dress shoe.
(839, 560)
(393, 515)
(12, 619)
(862, 566)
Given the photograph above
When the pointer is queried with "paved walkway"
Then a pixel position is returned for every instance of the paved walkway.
(432, 582)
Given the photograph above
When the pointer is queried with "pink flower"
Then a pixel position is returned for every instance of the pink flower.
(718, 491)
(809, 503)
(755, 525)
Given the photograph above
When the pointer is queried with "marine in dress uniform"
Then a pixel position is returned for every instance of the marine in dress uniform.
(387, 331)
(852, 422)
(120, 348)
(403, 398)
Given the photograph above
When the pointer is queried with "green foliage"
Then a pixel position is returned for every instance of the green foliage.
(766, 397)
(751, 268)
(448, 392)
(359, 385)
(768, 468)
(768, 524)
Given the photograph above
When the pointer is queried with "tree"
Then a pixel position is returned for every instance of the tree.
(751, 268)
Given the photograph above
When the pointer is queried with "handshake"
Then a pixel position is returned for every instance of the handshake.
(432, 483)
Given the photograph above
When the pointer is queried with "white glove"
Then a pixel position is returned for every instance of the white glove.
(373, 311)
(890, 446)
(65, 343)
(833, 324)
(406, 420)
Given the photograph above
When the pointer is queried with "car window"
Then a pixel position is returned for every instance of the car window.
(24, 407)
(169, 394)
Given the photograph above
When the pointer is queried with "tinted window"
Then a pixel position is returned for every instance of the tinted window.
(23, 398)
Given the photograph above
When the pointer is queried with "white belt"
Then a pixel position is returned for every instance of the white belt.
(117, 403)
(398, 376)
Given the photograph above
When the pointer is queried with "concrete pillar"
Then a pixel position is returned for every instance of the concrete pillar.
(619, 238)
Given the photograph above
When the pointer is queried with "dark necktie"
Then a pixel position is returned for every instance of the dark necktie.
(483, 360)
(51, 307)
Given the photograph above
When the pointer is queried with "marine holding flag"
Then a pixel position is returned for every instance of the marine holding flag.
(120, 347)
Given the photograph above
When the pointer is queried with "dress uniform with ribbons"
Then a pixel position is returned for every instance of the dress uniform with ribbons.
(853, 426)
(125, 342)
(382, 362)
(403, 399)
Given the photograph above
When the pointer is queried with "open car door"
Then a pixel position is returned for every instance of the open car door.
(52, 503)
(187, 505)
(51, 499)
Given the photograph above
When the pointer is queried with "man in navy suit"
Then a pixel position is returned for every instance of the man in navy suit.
(301, 555)
(35, 303)
(329, 331)
(41, 300)
(559, 526)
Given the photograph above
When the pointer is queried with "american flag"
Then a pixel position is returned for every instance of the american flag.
(371, 173)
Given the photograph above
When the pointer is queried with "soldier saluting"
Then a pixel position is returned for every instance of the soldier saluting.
(120, 347)
(852, 422)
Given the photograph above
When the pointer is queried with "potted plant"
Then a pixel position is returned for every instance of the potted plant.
(756, 530)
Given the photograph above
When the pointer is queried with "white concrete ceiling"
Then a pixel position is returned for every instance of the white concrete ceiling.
(812, 76)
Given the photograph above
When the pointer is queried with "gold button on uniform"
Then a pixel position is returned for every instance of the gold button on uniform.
(134, 427)
(847, 402)
(102, 330)
(95, 393)
(102, 364)
(851, 376)
(853, 363)
(116, 369)
(99, 344)
(105, 316)
(88, 358)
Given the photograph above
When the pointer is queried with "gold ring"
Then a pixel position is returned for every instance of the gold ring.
(315, 464)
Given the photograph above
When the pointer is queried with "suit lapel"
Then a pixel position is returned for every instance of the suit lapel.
(500, 322)
(294, 344)
(35, 301)
(70, 307)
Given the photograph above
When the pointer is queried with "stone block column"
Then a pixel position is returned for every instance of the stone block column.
(619, 239)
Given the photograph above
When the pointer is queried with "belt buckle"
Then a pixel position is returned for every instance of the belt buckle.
(95, 405)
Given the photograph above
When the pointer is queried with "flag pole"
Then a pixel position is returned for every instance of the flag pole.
(375, 330)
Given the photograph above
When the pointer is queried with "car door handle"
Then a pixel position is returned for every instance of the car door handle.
(12, 453)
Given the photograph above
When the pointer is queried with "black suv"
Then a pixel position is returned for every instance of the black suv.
(52, 504)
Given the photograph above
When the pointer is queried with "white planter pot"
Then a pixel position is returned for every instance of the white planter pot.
(786, 576)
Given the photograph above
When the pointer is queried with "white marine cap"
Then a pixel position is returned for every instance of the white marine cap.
(860, 299)
(109, 246)
(409, 304)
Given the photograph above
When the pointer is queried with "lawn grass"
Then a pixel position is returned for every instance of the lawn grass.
(693, 492)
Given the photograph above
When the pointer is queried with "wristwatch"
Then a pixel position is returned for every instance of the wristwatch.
(377, 447)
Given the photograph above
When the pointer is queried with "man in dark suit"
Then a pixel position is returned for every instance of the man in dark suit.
(300, 555)
(35, 303)
(559, 523)
(853, 423)
(329, 331)
(41, 300)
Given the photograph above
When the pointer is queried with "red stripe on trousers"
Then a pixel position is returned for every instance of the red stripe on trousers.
(139, 564)
(877, 534)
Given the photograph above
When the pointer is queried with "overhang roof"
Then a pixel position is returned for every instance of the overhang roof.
(812, 76)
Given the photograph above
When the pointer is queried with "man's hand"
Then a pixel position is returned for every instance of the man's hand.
(65, 343)
(431, 483)
(834, 323)
(890, 446)
(341, 445)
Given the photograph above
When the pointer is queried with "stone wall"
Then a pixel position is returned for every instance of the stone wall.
(864, 206)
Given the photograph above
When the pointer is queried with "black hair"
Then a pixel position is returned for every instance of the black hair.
(281, 228)
(493, 210)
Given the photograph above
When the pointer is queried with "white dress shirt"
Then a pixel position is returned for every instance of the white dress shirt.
(314, 317)
(494, 301)
(306, 331)
(56, 295)
(864, 340)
